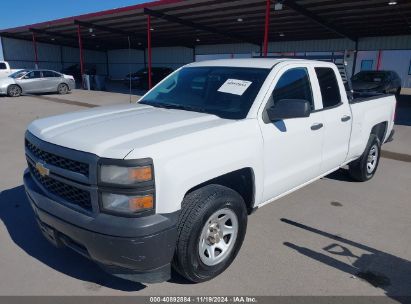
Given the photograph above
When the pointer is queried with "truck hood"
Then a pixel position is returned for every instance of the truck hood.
(114, 131)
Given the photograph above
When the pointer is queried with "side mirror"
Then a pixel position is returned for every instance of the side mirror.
(25, 77)
(289, 108)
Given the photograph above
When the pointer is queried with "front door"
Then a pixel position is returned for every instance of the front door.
(31, 83)
(292, 147)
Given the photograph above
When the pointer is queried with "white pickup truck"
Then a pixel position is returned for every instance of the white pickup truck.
(170, 181)
(5, 69)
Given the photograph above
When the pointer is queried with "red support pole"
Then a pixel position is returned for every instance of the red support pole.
(80, 46)
(266, 27)
(379, 60)
(36, 57)
(150, 84)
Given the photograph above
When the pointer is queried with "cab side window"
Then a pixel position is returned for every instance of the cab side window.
(34, 75)
(293, 84)
(330, 91)
(49, 74)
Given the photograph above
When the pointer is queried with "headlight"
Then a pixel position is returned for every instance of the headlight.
(125, 175)
(127, 204)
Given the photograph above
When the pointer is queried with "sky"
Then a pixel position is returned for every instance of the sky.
(24, 12)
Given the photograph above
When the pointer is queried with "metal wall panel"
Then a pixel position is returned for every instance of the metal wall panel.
(385, 43)
(121, 62)
(173, 57)
(70, 55)
(236, 48)
(1, 50)
(19, 50)
(311, 45)
(124, 61)
(20, 54)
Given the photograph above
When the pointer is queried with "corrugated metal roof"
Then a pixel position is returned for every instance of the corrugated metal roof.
(231, 21)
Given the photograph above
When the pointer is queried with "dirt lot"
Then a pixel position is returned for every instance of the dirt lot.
(334, 237)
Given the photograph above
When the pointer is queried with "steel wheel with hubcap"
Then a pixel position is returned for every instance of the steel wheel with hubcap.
(372, 159)
(218, 237)
(210, 232)
(365, 167)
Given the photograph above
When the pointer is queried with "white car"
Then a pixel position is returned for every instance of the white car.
(36, 81)
(171, 180)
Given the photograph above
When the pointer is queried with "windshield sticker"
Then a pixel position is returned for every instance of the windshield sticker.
(234, 86)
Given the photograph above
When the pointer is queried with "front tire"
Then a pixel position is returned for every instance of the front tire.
(14, 91)
(364, 168)
(63, 89)
(211, 230)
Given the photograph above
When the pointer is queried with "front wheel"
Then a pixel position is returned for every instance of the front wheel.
(62, 89)
(211, 230)
(364, 168)
(14, 91)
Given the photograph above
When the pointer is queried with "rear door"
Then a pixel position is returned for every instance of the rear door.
(337, 118)
(292, 147)
(51, 80)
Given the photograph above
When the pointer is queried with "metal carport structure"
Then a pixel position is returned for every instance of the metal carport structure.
(192, 23)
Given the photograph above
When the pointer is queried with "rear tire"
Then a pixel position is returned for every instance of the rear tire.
(62, 89)
(13, 91)
(211, 230)
(364, 168)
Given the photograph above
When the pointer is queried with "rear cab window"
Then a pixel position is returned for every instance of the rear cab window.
(330, 90)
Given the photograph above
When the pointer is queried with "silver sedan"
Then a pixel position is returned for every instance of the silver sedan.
(36, 81)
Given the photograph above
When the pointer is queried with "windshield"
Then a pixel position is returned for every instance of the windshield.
(227, 92)
(18, 74)
(370, 76)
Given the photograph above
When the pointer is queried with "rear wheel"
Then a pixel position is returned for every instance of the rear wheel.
(14, 91)
(62, 89)
(364, 168)
(211, 230)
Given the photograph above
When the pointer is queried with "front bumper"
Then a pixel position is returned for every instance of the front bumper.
(143, 258)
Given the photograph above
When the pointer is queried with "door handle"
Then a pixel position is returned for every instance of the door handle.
(345, 118)
(317, 126)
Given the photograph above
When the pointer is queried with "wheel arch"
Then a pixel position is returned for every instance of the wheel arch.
(241, 181)
(14, 84)
(380, 130)
(65, 83)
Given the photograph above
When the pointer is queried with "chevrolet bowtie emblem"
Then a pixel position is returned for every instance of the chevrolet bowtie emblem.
(42, 170)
